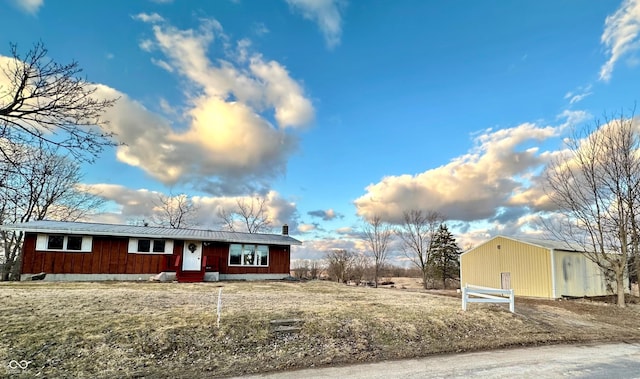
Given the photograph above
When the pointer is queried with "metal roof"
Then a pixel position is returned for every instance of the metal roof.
(94, 229)
(552, 244)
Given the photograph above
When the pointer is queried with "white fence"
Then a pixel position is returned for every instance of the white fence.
(477, 294)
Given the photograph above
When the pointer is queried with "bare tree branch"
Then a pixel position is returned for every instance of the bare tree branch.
(378, 235)
(41, 100)
(174, 211)
(596, 187)
(247, 216)
(42, 185)
(339, 262)
(417, 234)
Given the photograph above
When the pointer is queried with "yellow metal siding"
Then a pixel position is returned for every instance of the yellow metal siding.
(529, 267)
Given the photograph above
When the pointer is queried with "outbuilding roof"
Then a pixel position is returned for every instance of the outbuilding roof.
(551, 244)
(95, 229)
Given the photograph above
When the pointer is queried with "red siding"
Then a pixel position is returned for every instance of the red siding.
(218, 256)
(109, 256)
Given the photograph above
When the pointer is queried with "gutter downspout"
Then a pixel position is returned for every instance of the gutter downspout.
(553, 274)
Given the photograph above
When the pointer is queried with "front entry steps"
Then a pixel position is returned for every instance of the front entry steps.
(190, 276)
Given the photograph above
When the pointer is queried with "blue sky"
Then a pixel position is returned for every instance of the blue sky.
(339, 110)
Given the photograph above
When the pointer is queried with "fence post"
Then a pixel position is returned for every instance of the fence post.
(512, 301)
(464, 298)
(219, 307)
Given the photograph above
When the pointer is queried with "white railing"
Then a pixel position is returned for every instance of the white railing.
(477, 294)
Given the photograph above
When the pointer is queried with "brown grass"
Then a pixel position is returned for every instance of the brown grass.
(104, 330)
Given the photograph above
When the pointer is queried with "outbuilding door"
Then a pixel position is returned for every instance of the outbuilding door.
(192, 256)
(505, 280)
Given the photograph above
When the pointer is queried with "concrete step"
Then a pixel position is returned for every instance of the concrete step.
(289, 325)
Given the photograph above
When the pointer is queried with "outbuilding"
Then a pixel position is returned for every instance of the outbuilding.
(533, 267)
(79, 251)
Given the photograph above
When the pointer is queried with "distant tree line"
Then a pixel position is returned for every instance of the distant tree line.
(424, 240)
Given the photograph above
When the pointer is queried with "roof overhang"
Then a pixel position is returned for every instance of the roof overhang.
(152, 232)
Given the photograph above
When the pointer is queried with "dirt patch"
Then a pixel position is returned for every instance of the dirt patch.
(402, 283)
(104, 330)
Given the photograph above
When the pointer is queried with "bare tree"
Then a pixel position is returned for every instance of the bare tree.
(338, 264)
(359, 270)
(378, 235)
(596, 187)
(301, 268)
(47, 103)
(315, 268)
(174, 211)
(42, 185)
(249, 216)
(306, 268)
(417, 234)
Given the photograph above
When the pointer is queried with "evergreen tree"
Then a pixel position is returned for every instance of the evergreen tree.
(446, 255)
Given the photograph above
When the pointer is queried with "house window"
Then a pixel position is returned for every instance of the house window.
(143, 246)
(74, 243)
(61, 242)
(55, 243)
(158, 246)
(248, 255)
(150, 246)
(235, 255)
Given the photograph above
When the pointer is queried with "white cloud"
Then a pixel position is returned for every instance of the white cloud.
(29, 6)
(279, 210)
(579, 94)
(167, 108)
(344, 230)
(282, 92)
(260, 29)
(525, 225)
(162, 64)
(318, 248)
(226, 148)
(304, 228)
(131, 204)
(578, 97)
(620, 35)
(573, 118)
(326, 14)
(138, 204)
(262, 85)
(148, 17)
(226, 143)
(326, 215)
(476, 186)
(146, 45)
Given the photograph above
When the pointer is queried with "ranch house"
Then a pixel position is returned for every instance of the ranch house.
(78, 251)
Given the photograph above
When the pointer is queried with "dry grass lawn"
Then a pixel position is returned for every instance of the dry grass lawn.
(106, 330)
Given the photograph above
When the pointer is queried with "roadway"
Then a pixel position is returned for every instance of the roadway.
(615, 360)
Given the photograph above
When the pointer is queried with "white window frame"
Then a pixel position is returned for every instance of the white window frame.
(133, 246)
(243, 256)
(42, 243)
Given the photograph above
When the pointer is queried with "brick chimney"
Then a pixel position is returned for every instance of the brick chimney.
(285, 230)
